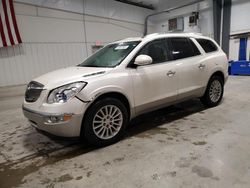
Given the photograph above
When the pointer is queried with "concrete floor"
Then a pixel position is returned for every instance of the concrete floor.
(181, 146)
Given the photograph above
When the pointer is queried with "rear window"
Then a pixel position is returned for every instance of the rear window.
(183, 48)
(207, 45)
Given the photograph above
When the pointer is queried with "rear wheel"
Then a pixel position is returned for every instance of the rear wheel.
(214, 92)
(105, 122)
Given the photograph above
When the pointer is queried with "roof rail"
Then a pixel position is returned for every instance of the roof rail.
(173, 32)
(151, 34)
(194, 33)
(190, 33)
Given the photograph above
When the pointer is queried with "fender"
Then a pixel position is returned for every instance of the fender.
(91, 97)
(213, 71)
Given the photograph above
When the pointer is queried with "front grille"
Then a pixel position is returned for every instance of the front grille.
(33, 91)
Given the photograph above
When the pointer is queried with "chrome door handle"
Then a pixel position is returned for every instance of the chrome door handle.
(171, 73)
(201, 66)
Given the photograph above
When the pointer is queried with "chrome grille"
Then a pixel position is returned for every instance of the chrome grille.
(33, 91)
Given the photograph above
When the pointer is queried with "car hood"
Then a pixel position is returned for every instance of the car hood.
(70, 74)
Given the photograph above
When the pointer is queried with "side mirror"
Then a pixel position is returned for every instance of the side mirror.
(143, 60)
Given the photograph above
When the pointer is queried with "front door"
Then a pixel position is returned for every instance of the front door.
(155, 85)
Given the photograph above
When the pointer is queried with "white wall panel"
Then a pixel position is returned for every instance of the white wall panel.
(99, 8)
(43, 29)
(96, 19)
(45, 12)
(240, 23)
(206, 22)
(240, 14)
(102, 8)
(234, 45)
(24, 9)
(234, 49)
(108, 32)
(22, 63)
(54, 39)
(166, 4)
(137, 28)
(69, 5)
(205, 25)
(121, 11)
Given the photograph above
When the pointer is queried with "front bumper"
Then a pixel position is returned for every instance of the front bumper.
(39, 111)
(38, 116)
(69, 128)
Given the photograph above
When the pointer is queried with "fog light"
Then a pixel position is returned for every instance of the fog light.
(58, 118)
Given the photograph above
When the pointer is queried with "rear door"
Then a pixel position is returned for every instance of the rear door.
(212, 59)
(190, 67)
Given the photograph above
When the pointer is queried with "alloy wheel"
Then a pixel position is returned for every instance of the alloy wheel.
(107, 122)
(215, 91)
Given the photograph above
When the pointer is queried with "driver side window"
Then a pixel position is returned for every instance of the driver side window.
(157, 50)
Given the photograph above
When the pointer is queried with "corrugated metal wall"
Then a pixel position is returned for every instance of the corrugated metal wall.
(53, 39)
(22, 63)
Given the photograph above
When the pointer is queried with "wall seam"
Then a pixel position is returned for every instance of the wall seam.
(84, 28)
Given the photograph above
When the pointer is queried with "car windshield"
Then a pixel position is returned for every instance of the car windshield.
(111, 55)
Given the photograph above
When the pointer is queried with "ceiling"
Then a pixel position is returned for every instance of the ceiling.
(147, 2)
(163, 4)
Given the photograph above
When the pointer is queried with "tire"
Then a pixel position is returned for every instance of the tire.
(214, 92)
(105, 122)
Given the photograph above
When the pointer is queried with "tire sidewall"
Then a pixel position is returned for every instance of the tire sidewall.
(87, 129)
(207, 98)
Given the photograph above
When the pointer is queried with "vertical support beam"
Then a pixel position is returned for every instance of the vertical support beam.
(217, 7)
(226, 25)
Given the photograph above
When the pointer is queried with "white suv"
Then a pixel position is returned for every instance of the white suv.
(97, 98)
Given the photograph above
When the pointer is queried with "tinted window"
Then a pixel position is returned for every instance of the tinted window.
(194, 48)
(207, 45)
(157, 50)
(183, 48)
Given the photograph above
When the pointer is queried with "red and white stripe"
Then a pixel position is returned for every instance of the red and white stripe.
(9, 33)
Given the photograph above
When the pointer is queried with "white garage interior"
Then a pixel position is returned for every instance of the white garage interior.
(185, 145)
(63, 33)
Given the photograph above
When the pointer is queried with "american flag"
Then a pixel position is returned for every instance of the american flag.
(9, 33)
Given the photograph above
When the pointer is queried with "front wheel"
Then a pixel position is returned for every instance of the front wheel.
(214, 92)
(105, 122)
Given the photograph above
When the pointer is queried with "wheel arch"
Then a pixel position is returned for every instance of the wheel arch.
(205, 99)
(218, 73)
(112, 94)
(116, 95)
(215, 73)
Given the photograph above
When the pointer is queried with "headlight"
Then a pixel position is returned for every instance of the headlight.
(64, 93)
